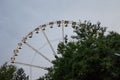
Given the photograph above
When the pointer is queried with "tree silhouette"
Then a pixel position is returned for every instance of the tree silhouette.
(7, 71)
(90, 57)
(10, 72)
(20, 75)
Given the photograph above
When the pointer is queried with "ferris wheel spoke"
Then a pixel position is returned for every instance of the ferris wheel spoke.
(30, 72)
(62, 24)
(50, 41)
(54, 53)
(38, 52)
(31, 65)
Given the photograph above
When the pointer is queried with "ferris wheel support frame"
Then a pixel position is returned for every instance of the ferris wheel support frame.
(61, 23)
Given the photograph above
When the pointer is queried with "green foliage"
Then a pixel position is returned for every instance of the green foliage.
(20, 75)
(90, 57)
(7, 71)
(10, 72)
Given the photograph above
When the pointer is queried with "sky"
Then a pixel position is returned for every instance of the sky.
(18, 17)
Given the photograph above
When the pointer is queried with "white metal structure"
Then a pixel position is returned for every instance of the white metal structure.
(39, 51)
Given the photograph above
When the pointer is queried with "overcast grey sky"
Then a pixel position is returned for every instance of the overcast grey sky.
(18, 17)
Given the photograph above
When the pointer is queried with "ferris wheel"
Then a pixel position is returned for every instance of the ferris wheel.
(38, 48)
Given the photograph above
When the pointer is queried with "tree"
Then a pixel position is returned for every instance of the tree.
(90, 57)
(7, 71)
(20, 75)
(10, 72)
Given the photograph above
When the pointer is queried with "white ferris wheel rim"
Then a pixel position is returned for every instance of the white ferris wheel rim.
(60, 23)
